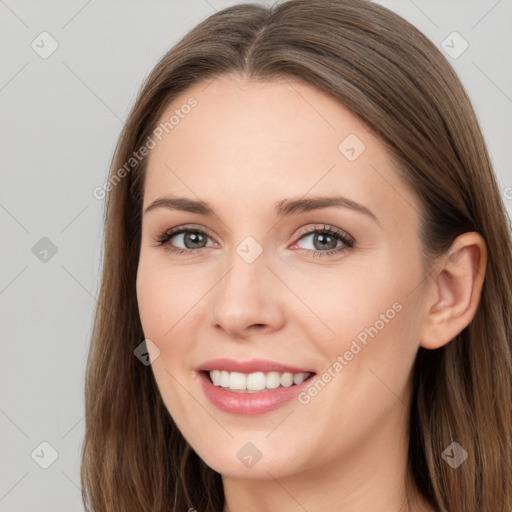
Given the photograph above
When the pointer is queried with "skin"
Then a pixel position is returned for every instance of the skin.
(244, 147)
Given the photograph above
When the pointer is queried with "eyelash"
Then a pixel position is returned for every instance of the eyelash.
(163, 239)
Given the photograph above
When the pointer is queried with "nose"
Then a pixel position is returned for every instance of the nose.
(248, 299)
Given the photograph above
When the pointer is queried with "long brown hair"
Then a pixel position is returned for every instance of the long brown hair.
(398, 83)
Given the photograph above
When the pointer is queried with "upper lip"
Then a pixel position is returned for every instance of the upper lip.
(251, 366)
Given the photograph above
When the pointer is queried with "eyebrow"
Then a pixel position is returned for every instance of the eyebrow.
(282, 208)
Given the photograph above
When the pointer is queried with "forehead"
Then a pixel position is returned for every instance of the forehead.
(256, 142)
(235, 117)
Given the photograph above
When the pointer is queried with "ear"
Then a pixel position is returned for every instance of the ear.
(457, 284)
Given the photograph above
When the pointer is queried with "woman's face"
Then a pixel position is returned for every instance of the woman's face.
(260, 294)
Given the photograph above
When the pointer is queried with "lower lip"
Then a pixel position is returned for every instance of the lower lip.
(250, 404)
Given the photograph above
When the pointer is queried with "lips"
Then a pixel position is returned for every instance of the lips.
(253, 402)
(252, 366)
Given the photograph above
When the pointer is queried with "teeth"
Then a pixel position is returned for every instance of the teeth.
(237, 381)
(287, 380)
(273, 380)
(256, 381)
(299, 377)
(253, 382)
(224, 379)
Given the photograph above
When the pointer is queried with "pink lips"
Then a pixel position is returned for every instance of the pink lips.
(249, 404)
(254, 365)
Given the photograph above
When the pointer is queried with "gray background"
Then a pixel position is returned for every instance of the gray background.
(60, 118)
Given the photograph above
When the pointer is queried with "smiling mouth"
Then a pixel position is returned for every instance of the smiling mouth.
(255, 382)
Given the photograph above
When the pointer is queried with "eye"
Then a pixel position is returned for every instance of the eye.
(193, 239)
(326, 240)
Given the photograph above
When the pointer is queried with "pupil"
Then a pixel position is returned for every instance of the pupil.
(325, 239)
(194, 238)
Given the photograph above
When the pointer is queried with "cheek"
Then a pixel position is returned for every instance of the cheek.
(347, 302)
(373, 321)
(152, 304)
(164, 297)
(165, 310)
(368, 359)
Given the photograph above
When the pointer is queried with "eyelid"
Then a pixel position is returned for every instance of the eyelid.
(163, 238)
(303, 231)
(324, 227)
(172, 232)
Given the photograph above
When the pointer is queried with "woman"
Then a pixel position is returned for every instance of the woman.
(237, 363)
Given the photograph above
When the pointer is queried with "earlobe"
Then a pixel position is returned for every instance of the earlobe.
(455, 294)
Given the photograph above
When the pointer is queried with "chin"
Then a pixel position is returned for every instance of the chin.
(241, 458)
